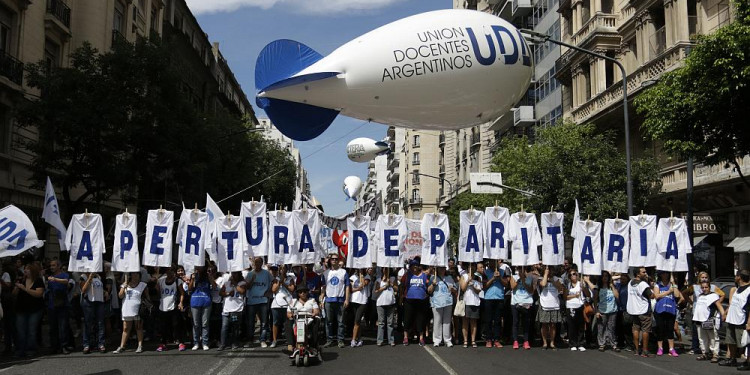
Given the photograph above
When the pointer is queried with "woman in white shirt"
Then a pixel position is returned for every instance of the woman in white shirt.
(132, 292)
(360, 294)
(705, 307)
(233, 290)
(92, 302)
(282, 288)
(549, 314)
(574, 296)
(171, 295)
(386, 306)
(471, 288)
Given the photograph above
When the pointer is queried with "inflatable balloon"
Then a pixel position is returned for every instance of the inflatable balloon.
(440, 70)
(362, 150)
(352, 186)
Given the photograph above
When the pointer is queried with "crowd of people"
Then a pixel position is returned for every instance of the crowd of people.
(489, 303)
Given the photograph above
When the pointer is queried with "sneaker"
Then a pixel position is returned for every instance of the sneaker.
(182, 347)
(161, 348)
(118, 350)
(65, 351)
(449, 344)
(263, 344)
(421, 342)
(341, 344)
(526, 345)
(745, 366)
(488, 344)
(353, 344)
(360, 343)
(220, 348)
(581, 349)
(273, 344)
(247, 345)
(673, 353)
(406, 340)
(728, 362)
(205, 347)
(573, 348)
(86, 350)
(515, 344)
(102, 349)
(392, 343)
(601, 348)
(379, 343)
(196, 347)
(328, 344)
(660, 352)
(139, 350)
(498, 344)
(437, 344)
(615, 349)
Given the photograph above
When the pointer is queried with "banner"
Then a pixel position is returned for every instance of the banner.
(17, 233)
(306, 227)
(326, 242)
(642, 241)
(214, 212)
(194, 239)
(256, 235)
(526, 239)
(672, 245)
(553, 241)
(230, 244)
(471, 236)
(126, 257)
(496, 236)
(413, 245)
(280, 237)
(616, 245)
(157, 247)
(390, 234)
(587, 247)
(360, 251)
(51, 214)
(435, 235)
(85, 239)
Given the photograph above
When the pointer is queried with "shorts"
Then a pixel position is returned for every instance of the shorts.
(359, 311)
(733, 334)
(642, 323)
(131, 318)
(472, 312)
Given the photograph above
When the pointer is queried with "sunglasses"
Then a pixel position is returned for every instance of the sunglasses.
(573, 274)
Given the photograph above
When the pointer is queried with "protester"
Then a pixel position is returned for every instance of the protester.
(522, 286)
(360, 295)
(215, 321)
(233, 291)
(471, 286)
(256, 302)
(415, 302)
(185, 322)
(497, 275)
(305, 304)
(282, 287)
(624, 325)
(549, 315)
(667, 297)
(704, 314)
(736, 318)
(386, 305)
(29, 292)
(132, 294)
(171, 297)
(605, 299)
(201, 285)
(58, 308)
(337, 291)
(8, 306)
(92, 302)
(692, 292)
(575, 294)
(442, 290)
(639, 307)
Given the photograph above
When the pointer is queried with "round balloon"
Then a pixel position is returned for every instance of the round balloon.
(352, 187)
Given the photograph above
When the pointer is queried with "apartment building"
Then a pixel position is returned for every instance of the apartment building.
(651, 38)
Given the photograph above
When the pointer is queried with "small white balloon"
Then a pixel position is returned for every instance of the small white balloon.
(352, 187)
(362, 150)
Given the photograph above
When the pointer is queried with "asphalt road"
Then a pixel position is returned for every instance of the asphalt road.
(368, 359)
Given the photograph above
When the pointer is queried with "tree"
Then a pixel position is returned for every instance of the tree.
(566, 162)
(701, 109)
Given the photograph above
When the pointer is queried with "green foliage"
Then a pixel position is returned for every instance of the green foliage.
(119, 123)
(702, 109)
(566, 162)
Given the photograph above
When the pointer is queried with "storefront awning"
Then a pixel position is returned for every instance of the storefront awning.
(740, 244)
(699, 239)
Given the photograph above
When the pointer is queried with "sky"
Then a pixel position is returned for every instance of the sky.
(244, 27)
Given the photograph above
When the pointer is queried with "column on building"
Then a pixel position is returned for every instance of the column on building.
(681, 27)
(647, 31)
(576, 15)
(622, 57)
(594, 7)
(669, 21)
(598, 74)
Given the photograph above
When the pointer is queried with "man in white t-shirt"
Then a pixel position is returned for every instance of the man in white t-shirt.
(639, 307)
(337, 291)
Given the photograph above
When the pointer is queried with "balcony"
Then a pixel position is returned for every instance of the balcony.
(393, 163)
(60, 11)
(521, 8)
(415, 201)
(476, 139)
(415, 180)
(600, 22)
(657, 43)
(441, 139)
(393, 175)
(11, 68)
(674, 178)
(523, 116)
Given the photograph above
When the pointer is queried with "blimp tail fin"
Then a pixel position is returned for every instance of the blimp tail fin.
(276, 67)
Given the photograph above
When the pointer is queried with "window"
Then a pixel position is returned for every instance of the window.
(51, 54)
(415, 159)
(416, 141)
(415, 194)
(118, 23)
(6, 25)
(415, 177)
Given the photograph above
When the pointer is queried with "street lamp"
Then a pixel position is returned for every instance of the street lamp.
(437, 178)
(536, 37)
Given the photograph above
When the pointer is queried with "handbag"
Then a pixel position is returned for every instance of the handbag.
(709, 323)
(460, 309)
(745, 341)
(588, 312)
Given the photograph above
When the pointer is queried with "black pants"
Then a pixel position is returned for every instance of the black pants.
(169, 324)
(574, 319)
(492, 319)
(664, 326)
(415, 311)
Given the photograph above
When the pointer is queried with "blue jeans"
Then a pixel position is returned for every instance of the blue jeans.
(230, 331)
(59, 318)
(386, 323)
(26, 329)
(200, 324)
(335, 313)
(251, 311)
(93, 318)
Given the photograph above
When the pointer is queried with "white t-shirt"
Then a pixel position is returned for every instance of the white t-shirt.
(386, 297)
(234, 301)
(215, 296)
(334, 282)
(308, 306)
(168, 294)
(549, 296)
(361, 296)
(736, 313)
(637, 303)
(575, 302)
(132, 301)
(471, 236)
(702, 306)
(283, 297)
(96, 289)
(471, 297)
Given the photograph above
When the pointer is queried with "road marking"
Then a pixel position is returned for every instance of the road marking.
(7, 368)
(439, 360)
(226, 367)
(643, 363)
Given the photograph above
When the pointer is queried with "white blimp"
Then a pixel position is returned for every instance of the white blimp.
(352, 187)
(441, 70)
(362, 150)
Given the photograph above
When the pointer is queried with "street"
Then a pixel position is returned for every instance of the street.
(412, 359)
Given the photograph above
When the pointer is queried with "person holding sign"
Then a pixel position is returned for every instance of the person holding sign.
(471, 286)
(549, 300)
(575, 294)
(132, 294)
(497, 276)
(606, 303)
(28, 292)
(522, 299)
(386, 305)
(639, 307)
(415, 302)
(667, 297)
(360, 294)
(442, 290)
(233, 291)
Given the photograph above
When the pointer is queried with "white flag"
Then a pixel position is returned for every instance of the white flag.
(17, 233)
(51, 214)
(194, 239)
(214, 212)
(360, 253)
(85, 239)
(615, 257)
(157, 248)
(125, 255)
(230, 240)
